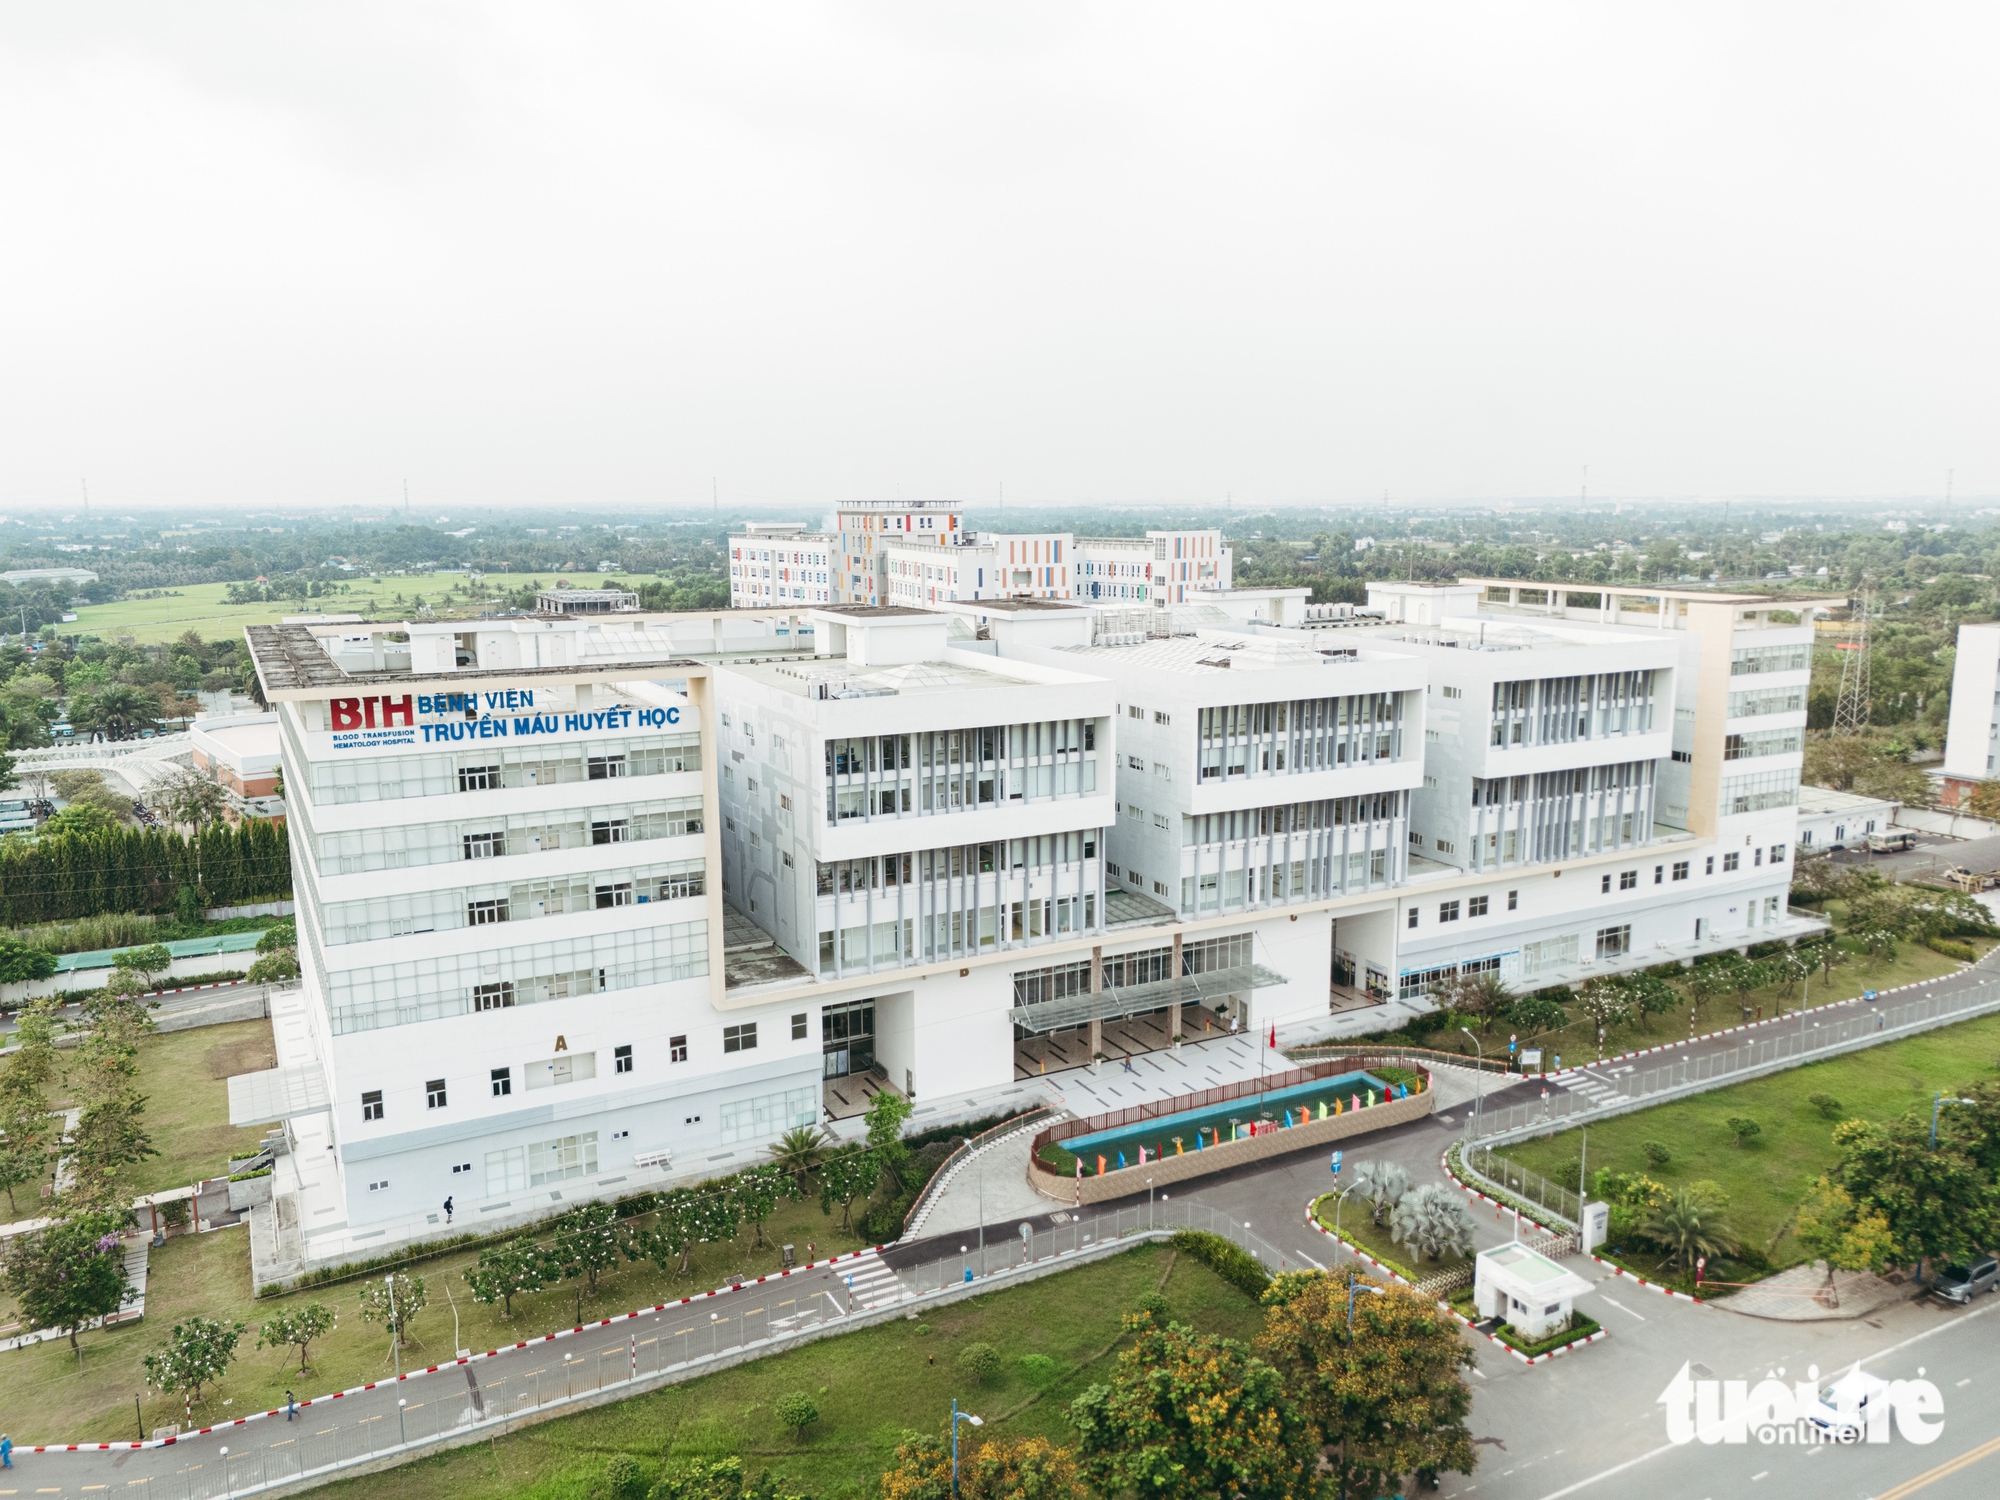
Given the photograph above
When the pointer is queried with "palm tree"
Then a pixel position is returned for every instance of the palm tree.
(798, 1151)
(116, 711)
(1690, 1224)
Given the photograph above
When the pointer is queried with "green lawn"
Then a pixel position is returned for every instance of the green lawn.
(45, 1395)
(1577, 1043)
(201, 606)
(1765, 1179)
(872, 1387)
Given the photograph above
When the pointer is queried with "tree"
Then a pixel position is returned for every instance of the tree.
(189, 798)
(274, 968)
(1710, 981)
(69, 1273)
(1432, 1221)
(796, 1410)
(995, 1469)
(1744, 1129)
(886, 1113)
(584, 1244)
(505, 1272)
(1391, 1395)
(197, 1353)
(80, 818)
(1828, 956)
(115, 711)
(1481, 996)
(1604, 1003)
(1380, 1184)
(844, 1177)
(1832, 1227)
(798, 1153)
(756, 1192)
(1191, 1416)
(145, 962)
(1691, 1223)
(395, 1313)
(1938, 1203)
(296, 1328)
(29, 1128)
(19, 962)
(1536, 1013)
(1984, 800)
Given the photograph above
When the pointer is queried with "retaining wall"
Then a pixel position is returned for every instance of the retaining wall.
(1125, 1181)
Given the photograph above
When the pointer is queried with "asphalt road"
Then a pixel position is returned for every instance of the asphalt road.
(1604, 1412)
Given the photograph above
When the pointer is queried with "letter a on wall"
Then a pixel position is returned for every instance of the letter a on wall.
(561, 1045)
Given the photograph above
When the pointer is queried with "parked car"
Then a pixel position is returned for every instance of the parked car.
(1963, 1283)
(1846, 1405)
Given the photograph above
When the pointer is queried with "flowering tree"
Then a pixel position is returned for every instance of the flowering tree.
(296, 1328)
(68, 1274)
(196, 1353)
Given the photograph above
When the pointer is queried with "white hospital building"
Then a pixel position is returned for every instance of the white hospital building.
(592, 903)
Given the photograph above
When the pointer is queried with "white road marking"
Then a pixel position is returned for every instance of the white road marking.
(1623, 1308)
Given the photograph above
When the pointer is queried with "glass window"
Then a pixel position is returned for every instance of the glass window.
(621, 1059)
(434, 1094)
(371, 1105)
(677, 1049)
(739, 1038)
(503, 1082)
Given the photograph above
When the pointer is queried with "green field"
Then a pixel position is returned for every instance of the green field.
(201, 607)
(872, 1387)
(44, 1392)
(1766, 1178)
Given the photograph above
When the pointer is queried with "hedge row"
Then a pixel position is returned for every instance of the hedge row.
(70, 876)
(1227, 1259)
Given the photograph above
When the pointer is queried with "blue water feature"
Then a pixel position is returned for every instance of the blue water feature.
(1198, 1128)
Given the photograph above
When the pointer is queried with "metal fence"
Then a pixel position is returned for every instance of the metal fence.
(1795, 1040)
(461, 1401)
(1519, 1183)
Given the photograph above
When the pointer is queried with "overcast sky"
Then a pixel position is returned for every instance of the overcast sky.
(267, 253)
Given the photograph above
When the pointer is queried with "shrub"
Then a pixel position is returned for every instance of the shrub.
(1037, 1369)
(1743, 1129)
(1154, 1304)
(797, 1411)
(1656, 1154)
(1965, 953)
(980, 1361)
(1233, 1264)
(1826, 1104)
(173, 1214)
(624, 1478)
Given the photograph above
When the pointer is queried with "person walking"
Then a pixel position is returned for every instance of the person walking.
(291, 1406)
(447, 1210)
(6, 1451)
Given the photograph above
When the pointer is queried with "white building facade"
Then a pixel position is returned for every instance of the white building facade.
(955, 841)
(1972, 733)
(781, 566)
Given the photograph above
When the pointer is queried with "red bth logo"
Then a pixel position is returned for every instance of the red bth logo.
(373, 713)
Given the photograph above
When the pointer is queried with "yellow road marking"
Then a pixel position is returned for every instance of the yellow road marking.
(283, 1444)
(1943, 1471)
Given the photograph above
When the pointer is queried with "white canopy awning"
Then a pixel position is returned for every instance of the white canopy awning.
(277, 1094)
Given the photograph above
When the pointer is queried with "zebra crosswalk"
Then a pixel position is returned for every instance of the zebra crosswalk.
(1598, 1085)
(869, 1282)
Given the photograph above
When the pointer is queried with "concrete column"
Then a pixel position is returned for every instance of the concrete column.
(1174, 1011)
(1096, 987)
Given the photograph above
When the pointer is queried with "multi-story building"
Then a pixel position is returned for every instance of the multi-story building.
(898, 803)
(777, 566)
(507, 921)
(866, 529)
(983, 565)
(1161, 568)
(963, 844)
(240, 753)
(1972, 733)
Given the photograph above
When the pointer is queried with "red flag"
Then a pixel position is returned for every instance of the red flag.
(1274, 1034)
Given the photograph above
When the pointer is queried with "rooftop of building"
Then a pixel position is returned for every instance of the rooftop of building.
(870, 611)
(1024, 606)
(291, 664)
(1824, 799)
(243, 737)
(1215, 651)
(837, 677)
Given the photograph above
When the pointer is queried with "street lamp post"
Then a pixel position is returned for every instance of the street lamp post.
(1340, 1202)
(1354, 1286)
(958, 1416)
(1479, 1097)
(1938, 1102)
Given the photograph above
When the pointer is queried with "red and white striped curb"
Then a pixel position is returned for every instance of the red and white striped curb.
(1526, 1359)
(355, 1390)
(1353, 1249)
(1665, 1291)
(1444, 1162)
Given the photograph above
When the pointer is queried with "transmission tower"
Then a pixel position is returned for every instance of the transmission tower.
(1850, 711)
